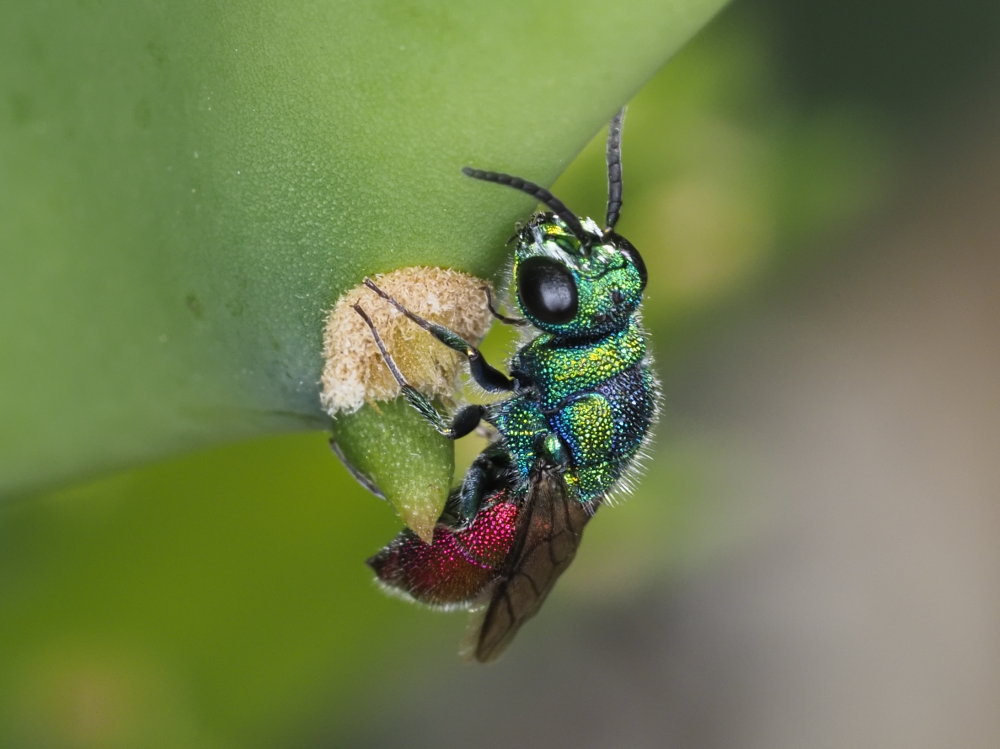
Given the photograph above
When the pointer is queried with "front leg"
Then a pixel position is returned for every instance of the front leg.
(463, 422)
(520, 321)
(487, 377)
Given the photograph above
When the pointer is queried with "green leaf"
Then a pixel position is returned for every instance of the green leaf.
(186, 188)
(390, 448)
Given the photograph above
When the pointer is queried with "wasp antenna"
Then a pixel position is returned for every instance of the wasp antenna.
(615, 169)
(540, 194)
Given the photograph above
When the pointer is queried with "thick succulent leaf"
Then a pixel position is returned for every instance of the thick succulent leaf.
(186, 188)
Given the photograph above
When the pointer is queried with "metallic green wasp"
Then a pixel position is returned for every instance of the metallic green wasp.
(581, 401)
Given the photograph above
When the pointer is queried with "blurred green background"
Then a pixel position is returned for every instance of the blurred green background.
(810, 558)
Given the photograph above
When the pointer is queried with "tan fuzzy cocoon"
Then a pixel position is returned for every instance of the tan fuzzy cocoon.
(354, 371)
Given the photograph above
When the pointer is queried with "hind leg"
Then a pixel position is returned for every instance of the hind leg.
(489, 472)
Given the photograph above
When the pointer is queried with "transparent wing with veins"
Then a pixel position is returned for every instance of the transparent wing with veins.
(549, 531)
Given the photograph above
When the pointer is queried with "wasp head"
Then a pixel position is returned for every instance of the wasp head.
(576, 286)
(574, 280)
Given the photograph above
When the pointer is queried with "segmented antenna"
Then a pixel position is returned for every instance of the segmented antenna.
(615, 169)
(541, 195)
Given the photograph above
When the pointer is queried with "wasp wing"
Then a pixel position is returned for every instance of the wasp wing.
(550, 528)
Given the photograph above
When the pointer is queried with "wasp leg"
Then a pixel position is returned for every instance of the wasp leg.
(489, 472)
(496, 314)
(465, 420)
(487, 377)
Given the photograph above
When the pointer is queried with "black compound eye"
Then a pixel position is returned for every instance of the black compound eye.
(547, 290)
(628, 249)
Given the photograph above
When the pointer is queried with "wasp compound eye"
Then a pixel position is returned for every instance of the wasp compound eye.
(547, 290)
(628, 250)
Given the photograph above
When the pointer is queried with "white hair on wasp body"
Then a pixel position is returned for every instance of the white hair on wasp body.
(546, 245)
